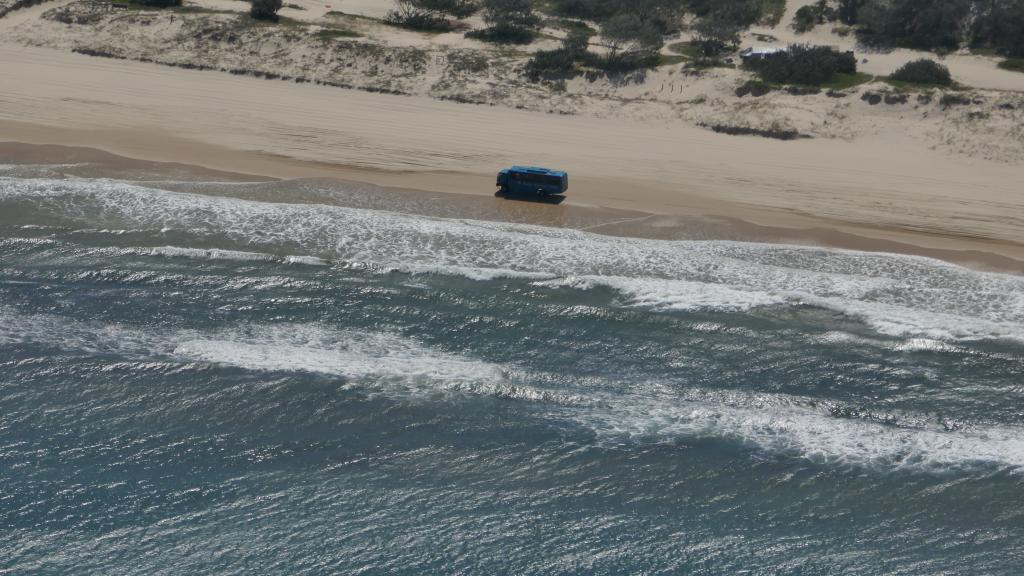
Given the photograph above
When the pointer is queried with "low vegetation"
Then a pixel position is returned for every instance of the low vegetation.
(561, 62)
(6, 9)
(755, 88)
(633, 42)
(843, 81)
(1013, 64)
(775, 132)
(508, 22)
(715, 35)
(923, 71)
(335, 33)
(667, 15)
(158, 3)
(802, 64)
(430, 15)
(688, 49)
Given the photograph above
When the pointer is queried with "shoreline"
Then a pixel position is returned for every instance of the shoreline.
(880, 192)
(915, 178)
(710, 222)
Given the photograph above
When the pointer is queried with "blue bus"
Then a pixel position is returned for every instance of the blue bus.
(532, 181)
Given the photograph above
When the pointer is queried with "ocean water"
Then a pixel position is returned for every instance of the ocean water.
(303, 378)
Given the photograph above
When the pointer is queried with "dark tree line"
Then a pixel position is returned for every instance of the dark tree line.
(929, 24)
(666, 14)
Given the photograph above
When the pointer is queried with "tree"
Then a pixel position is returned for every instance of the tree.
(714, 35)
(742, 13)
(630, 34)
(430, 14)
(560, 63)
(577, 41)
(510, 14)
(925, 24)
(1002, 27)
(265, 9)
(801, 64)
(511, 21)
(847, 11)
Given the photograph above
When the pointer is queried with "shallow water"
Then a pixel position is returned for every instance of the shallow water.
(194, 379)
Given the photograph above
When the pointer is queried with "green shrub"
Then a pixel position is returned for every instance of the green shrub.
(467, 61)
(508, 21)
(809, 16)
(665, 15)
(629, 36)
(503, 35)
(772, 12)
(847, 10)
(433, 15)
(510, 14)
(264, 9)
(755, 88)
(334, 33)
(1013, 64)
(804, 19)
(923, 71)
(715, 35)
(158, 3)
(560, 63)
(801, 64)
(549, 64)
(622, 62)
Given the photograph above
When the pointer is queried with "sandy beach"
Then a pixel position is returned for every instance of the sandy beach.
(883, 190)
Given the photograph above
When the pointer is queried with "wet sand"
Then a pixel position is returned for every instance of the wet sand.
(612, 221)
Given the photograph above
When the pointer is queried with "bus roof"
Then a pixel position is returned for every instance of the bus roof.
(537, 170)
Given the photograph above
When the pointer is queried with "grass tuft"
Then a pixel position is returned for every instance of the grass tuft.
(842, 81)
(334, 33)
(1013, 64)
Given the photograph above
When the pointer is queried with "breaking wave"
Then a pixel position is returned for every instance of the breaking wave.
(903, 296)
(404, 369)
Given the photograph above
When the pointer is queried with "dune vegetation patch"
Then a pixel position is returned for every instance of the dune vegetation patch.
(1012, 64)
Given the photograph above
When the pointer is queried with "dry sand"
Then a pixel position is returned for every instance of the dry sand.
(884, 190)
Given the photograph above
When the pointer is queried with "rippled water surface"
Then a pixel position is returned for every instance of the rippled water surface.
(196, 379)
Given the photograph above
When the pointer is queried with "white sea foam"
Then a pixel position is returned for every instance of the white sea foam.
(665, 294)
(809, 433)
(403, 368)
(380, 362)
(207, 254)
(473, 273)
(901, 296)
(352, 354)
(306, 261)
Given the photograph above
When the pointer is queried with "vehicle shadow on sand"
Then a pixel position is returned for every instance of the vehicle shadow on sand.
(554, 199)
